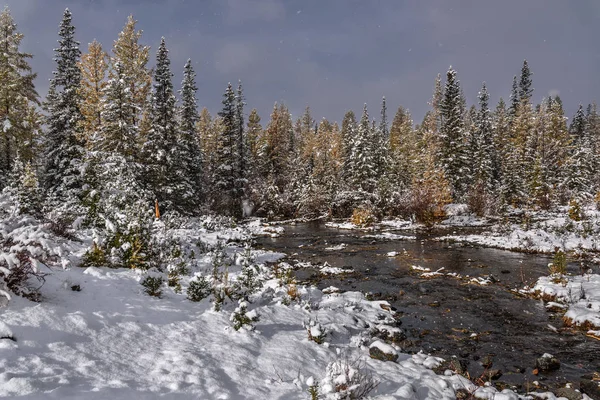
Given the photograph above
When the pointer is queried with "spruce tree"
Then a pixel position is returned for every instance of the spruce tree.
(362, 163)
(453, 137)
(18, 98)
(348, 135)
(515, 100)
(63, 150)
(525, 83)
(241, 163)
(188, 158)
(383, 124)
(484, 154)
(225, 196)
(161, 176)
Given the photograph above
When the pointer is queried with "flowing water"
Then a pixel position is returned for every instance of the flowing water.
(440, 315)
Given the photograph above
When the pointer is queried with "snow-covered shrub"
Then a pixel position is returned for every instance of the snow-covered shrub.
(558, 266)
(313, 388)
(198, 289)
(242, 318)
(348, 380)
(152, 283)
(315, 331)
(346, 202)
(95, 257)
(249, 281)
(575, 212)
(23, 188)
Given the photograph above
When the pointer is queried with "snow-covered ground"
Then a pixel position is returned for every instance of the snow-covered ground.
(111, 340)
(96, 334)
(578, 295)
(539, 233)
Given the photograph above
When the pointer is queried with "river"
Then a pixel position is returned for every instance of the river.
(445, 316)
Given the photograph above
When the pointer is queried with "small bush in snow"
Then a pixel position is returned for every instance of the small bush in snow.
(558, 266)
(152, 284)
(313, 388)
(249, 280)
(95, 257)
(198, 289)
(575, 212)
(315, 331)
(348, 380)
(242, 318)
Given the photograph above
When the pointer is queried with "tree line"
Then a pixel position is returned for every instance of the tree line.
(113, 139)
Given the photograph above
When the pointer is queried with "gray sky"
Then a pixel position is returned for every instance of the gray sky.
(335, 55)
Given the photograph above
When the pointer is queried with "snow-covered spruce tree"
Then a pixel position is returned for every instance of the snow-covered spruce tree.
(63, 150)
(188, 158)
(483, 155)
(362, 162)
(242, 149)
(160, 176)
(525, 83)
(580, 165)
(501, 132)
(383, 124)
(553, 143)
(117, 202)
(23, 188)
(514, 100)
(94, 67)
(453, 137)
(18, 98)
(226, 198)
(349, 127)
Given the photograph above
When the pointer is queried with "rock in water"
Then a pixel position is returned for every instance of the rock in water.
(591, 388)
(547, 363)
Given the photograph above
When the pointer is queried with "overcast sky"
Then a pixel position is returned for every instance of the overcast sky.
(335, 55)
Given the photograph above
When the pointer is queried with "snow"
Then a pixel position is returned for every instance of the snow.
(338, 247)
(542, 234)
(580, 295)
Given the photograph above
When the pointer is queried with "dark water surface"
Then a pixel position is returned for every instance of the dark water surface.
(441, 314)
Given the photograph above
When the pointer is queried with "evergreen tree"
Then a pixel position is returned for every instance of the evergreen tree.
(348, 134)
(188, 159)
(94, 66)
(226, 198)
(362, 163)
(18, 98)
(161, 176)
(63, 150)
(525, 83)
(383, 125)
(453, 138)
(501, 138)
(515, 100)
(484, 152)
(241, 163)
(117, 132)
